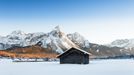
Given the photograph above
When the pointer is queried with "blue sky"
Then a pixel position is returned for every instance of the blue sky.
(100, 21)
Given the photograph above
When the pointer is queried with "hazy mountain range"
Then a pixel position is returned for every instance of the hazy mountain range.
(58, 41)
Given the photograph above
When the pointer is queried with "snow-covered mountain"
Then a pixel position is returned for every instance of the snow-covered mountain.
(56, 40)
(79, 40)
(126, 43)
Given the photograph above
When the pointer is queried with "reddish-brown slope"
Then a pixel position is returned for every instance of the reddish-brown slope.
(29, 52)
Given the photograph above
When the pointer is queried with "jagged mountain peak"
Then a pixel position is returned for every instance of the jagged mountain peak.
(127, 43)
(17, 32)
(79, 40)
(57, 28)
(120, 41)
(57, 32)
(56, 40)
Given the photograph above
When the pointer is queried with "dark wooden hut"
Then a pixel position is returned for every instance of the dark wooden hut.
(74, 56)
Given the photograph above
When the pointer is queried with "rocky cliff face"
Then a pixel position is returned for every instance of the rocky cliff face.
(58, 41)
(126, 43)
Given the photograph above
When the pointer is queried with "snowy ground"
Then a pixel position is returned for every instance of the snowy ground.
(96, 67)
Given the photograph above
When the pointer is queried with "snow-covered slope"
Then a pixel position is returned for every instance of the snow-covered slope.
(55, 39)
(79, 40)
(126, 43)
(19, 38)
(96, 67)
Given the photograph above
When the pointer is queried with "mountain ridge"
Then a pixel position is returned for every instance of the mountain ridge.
(126, 43)
(57, 41)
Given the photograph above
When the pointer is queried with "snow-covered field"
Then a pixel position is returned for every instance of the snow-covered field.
(96, 67)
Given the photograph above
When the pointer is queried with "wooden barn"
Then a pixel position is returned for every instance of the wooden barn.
(74, 56)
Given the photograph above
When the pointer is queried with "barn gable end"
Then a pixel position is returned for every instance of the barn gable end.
(74, 56)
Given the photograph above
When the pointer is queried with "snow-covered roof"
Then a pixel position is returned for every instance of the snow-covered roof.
(85, 52)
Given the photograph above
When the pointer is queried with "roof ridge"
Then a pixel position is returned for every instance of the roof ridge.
(76, 49)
